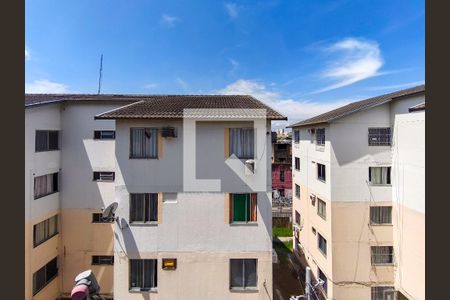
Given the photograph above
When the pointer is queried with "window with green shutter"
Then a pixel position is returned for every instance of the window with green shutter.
(243, 207)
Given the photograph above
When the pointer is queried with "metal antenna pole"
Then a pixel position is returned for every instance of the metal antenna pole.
(100, 75)
(308, 283)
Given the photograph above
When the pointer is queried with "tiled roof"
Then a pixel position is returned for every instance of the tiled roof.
(161, 106)
(358, 106)
(172, 106)
(41, 99)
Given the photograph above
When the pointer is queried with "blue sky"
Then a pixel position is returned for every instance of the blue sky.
(301, 57)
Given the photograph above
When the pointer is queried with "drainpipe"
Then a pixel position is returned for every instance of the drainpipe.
(308, 283)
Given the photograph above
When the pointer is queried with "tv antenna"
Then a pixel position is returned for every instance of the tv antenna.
(100, 75)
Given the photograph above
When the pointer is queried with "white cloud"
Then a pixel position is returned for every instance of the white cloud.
(356, 60)
(395, 86)
(232, 10)
(150, 85)
(27, 54)
(182, 83)
(169, 20)
(45, 86)
(234, 65)
(295, 110)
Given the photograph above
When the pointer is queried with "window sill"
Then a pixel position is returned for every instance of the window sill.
(244, 224)
(244, 290)
(322, 217)
(388, 185)
(143, 157)
(144, 224)
(139, 290)
(46, 195)
(103, 180)
(321, 180)
(383, 265)
(46, 151)
(381, 225)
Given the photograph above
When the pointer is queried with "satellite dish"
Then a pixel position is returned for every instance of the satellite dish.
(108, 213)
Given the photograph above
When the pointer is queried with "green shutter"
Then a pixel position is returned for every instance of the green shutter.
(239, 207)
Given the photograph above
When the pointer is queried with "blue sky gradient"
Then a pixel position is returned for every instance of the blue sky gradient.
(302, 57)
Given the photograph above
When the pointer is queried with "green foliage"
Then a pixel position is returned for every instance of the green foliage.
(281, 231)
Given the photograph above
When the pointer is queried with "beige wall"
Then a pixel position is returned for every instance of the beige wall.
(199, 275)
(81, 240)
(37, 257)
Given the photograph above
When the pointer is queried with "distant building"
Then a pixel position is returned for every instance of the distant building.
(281, 169)
(359, 202)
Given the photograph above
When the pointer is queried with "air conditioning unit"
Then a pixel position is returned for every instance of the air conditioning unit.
(250, 167)
(313, 199)
(168, 132)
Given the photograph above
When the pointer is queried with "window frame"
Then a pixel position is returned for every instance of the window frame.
(47, 234)
(231, 150)
(99, 135)
(147, 213)
(379, 135)
(322, 178)
(244, 287)
(319, 238)
(388, 176)
(47, 149)
(320, 213)
(100, 179)
(44, 270)
(373, 256)
(251, 218)
(297, 191)
(374, 292)
(97, 219)
(298, 218)
(55, 185)
(102, 260)
(156, 141)
(296, 134)
(297, 163)
(154, 263)
(324, 277)
(320, 137)
(373, 208)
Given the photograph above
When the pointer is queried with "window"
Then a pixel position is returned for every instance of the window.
(322, 243)
(322, 276)
(244, 207)
(45, 230)
(383, 293)
(380, 215)
(297, 191)
(320, 136)
(380, 175)
(282, 175)
(297, 218)
(143, 143)
(103, 259)
(104, 176)
(44, 275)
(296, 136)
(381, 255)
(321, 172)
(243, 273)
(297, 163)
(380, 136)
(242, 142)
(322, 208)
(104, 134)
(143, 274)
(143, 208)
(45, 185)
(313, 230)
(98, 218)
(46, 140)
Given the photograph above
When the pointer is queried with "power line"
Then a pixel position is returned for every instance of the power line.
(100, 75)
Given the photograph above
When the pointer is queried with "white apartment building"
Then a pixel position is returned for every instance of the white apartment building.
(84, 152)
(354, 173)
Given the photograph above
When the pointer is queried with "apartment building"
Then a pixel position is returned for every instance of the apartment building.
(170, 239)
(281, 169)
(353, 224)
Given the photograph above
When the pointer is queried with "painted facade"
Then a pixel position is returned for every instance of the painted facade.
(338, 207)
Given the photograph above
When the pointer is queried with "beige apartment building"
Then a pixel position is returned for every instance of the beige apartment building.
(170, 239)
(358, 197)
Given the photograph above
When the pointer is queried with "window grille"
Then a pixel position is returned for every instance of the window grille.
(382, 255)
(380, 215)
(143, 274)
(320, 136)
(380, 136)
